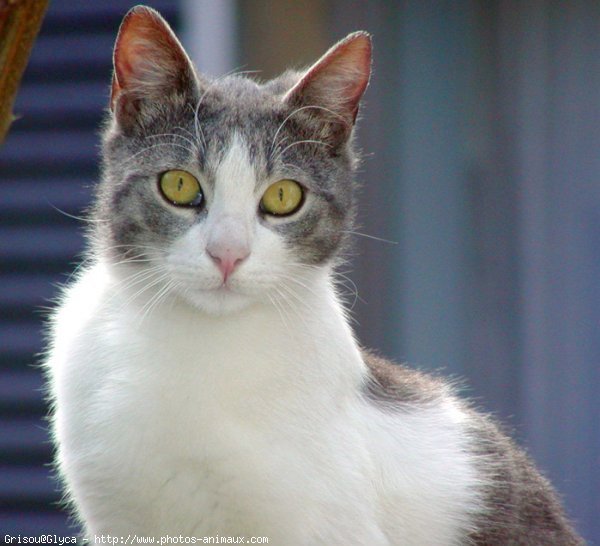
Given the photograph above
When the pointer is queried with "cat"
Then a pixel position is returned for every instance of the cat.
(203, 374)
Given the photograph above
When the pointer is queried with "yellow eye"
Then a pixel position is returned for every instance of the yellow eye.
(282, 198)
(181, 188)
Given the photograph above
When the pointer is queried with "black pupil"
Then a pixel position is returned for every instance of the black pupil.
(281, 194)
(180, 184)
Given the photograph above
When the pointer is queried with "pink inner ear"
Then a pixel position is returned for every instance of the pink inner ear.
(115, 89)
(339, 79)
(146, 53)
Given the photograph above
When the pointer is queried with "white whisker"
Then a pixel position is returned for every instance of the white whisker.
(280, 311)
(174, 135)
(370, 237)
(275, 144)
(307, 141)
(153, 276)
(156, 299)
(157, 145)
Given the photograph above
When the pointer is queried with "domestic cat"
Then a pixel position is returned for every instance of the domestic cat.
(204, 377)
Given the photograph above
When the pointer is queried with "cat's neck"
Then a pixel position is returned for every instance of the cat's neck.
(288, 343)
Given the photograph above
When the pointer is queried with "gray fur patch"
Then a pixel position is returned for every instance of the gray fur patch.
(522, 508)
(194, 129)
(393, 386)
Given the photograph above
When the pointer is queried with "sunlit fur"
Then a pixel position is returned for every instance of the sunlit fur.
(195, 403)
(253, 423)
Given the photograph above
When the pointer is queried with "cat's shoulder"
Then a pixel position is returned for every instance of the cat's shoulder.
(392, 383)
(79, 300)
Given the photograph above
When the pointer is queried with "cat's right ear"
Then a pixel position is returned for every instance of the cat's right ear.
(150, 66)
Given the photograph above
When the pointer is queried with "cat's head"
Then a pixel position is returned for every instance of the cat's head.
(226, 191)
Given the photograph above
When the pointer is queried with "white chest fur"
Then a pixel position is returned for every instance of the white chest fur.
(247, 424)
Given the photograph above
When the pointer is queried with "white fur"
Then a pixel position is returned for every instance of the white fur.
(211, 410)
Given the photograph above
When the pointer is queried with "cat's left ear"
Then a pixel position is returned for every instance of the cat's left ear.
(150, 64)
(334, 85)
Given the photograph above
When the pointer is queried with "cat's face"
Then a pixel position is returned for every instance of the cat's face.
(226, 191)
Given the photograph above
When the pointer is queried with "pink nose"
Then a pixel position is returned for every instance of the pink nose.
(227, 259)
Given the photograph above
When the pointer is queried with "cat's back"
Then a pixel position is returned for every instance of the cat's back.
(417, 431)
(461, 459)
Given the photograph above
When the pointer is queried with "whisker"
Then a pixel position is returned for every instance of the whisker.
(162, 135)
(274, 143)
(137, 277)
(156, 299)
(199, 132)
(139, 258)
(307, 141)
(146, 286)
(236, 72)
(342, 280)
(370, 237)
(78, 218)
(183, 129)
(286, 292)
(280, 311)
(298, 282)
(157, 145)
(134, 246)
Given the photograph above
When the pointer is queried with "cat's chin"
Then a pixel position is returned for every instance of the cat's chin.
(217, 302)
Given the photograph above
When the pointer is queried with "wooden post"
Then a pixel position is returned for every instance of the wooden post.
(20, 21)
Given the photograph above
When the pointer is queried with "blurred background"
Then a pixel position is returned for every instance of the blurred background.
(481, 133)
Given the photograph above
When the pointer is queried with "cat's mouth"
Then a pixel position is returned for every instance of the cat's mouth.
(228, 284)
(215, 296)
(225, 288)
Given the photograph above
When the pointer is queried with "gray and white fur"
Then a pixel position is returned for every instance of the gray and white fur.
(204, 377)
